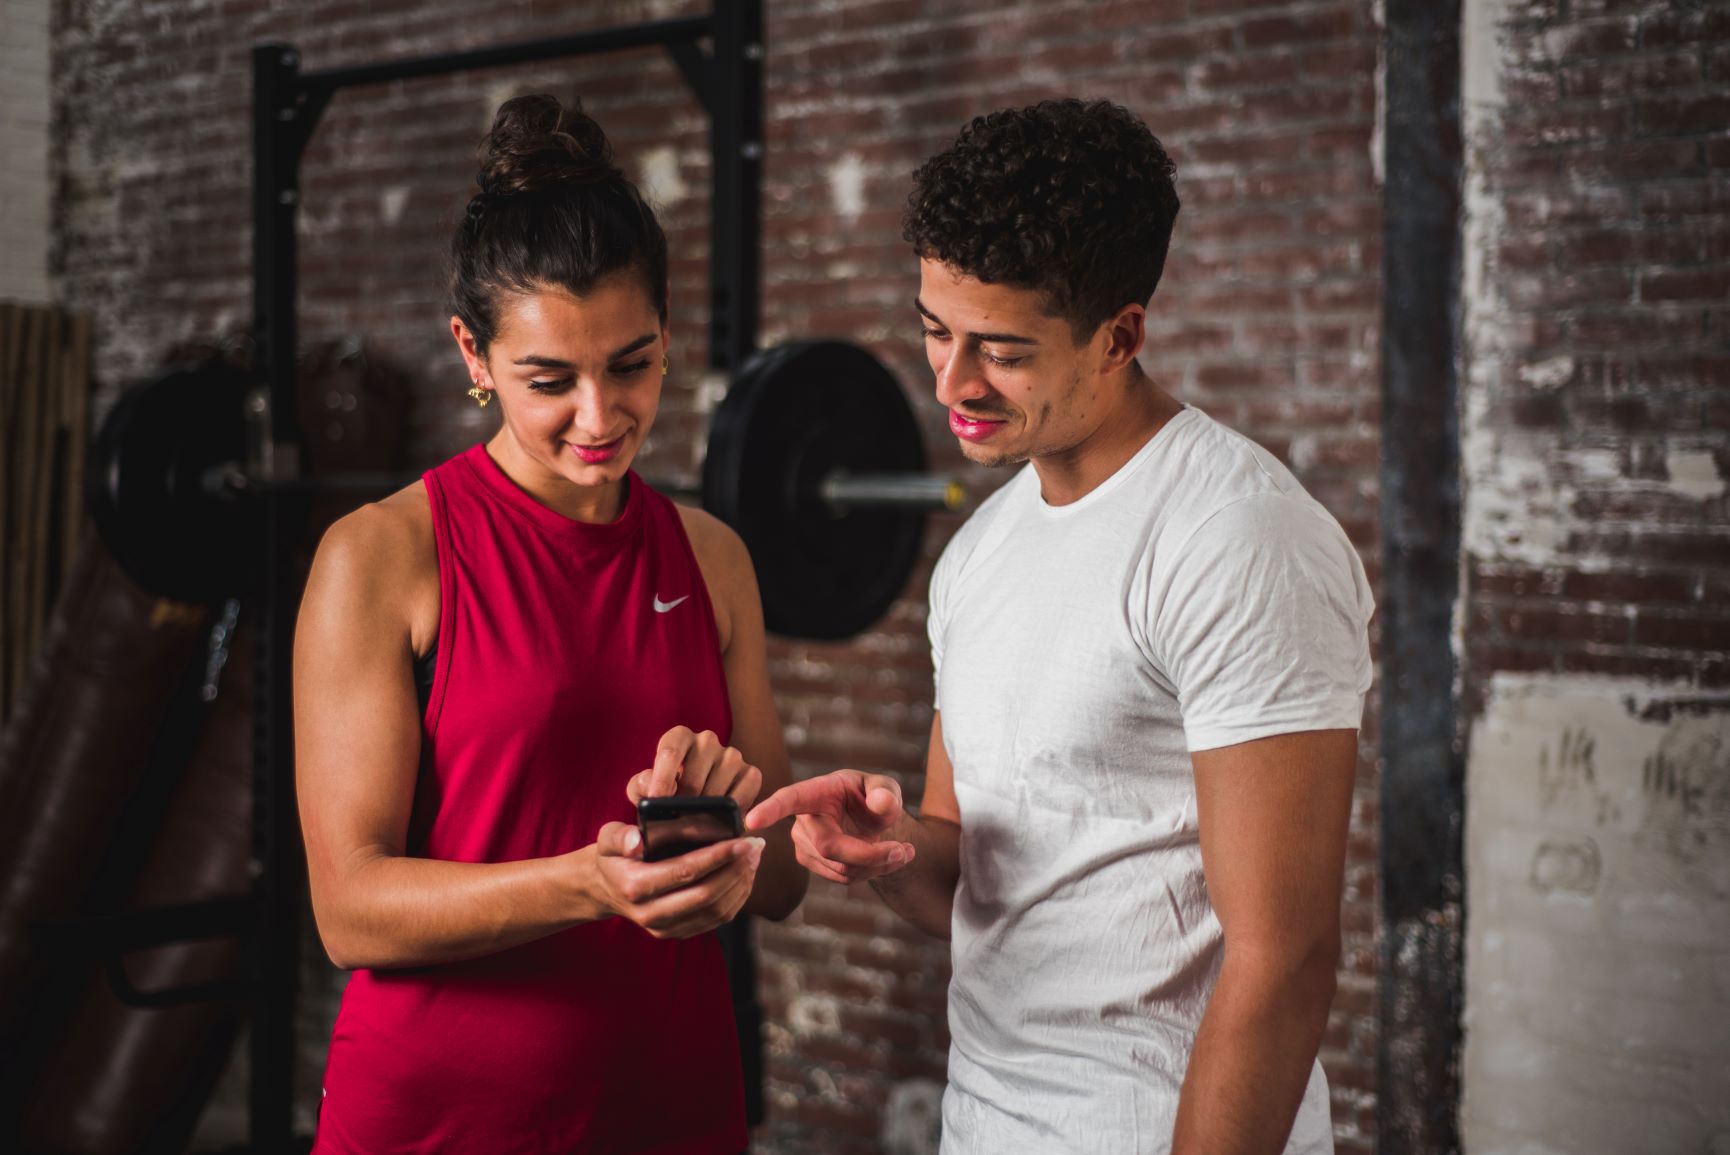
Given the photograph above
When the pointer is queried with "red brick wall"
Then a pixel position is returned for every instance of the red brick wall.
(1267, 319)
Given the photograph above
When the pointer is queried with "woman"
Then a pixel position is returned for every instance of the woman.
(524, 982)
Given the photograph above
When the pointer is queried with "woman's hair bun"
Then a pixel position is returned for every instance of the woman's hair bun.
(537, 143)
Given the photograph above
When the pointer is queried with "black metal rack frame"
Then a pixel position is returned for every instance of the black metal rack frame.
(287, 103)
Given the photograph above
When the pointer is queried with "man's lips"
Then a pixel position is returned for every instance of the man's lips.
(970, 428)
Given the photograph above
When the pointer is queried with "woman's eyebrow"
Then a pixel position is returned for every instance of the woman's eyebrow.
(645, 340)
(541, 362)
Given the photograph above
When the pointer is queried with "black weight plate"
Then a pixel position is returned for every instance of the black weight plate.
(144, 484)
(794, 415)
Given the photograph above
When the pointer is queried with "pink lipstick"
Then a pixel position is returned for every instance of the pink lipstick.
(598, 454)
(972, 428)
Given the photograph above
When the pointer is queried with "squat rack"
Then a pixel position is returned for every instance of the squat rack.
(727, 80)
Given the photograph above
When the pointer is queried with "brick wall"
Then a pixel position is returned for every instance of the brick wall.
(1267, 319)
(1598, 402)
(1596, 624)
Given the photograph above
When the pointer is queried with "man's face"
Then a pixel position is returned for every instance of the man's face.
(1016, 384)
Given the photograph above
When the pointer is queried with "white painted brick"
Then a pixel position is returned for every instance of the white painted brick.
(1595, 992)
(25, 217)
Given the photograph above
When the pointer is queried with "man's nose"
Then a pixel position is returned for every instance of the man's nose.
(960, 380)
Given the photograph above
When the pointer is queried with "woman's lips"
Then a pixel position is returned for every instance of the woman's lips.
(972, 428)
(597, 454)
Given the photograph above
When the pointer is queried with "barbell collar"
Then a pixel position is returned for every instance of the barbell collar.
(843, 491)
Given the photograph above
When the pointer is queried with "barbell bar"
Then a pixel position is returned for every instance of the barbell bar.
(814, 457)
(840, 490)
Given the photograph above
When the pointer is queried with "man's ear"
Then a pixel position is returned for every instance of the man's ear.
(1125, 333)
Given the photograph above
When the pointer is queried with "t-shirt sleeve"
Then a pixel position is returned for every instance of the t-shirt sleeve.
(1261, 621)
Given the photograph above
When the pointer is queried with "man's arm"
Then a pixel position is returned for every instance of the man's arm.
(1273, 815)
(852, 827)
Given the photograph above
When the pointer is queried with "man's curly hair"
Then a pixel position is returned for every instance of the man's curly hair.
(1072, 198)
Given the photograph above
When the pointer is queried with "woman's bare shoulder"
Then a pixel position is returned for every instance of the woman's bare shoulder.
(380, 560)
(393, 532)
(726, 566)
(720, 551)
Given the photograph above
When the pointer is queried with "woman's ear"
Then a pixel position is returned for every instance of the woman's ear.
(472, 355)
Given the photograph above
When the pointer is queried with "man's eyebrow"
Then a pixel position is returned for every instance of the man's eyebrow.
(540, 362)
(994, 338)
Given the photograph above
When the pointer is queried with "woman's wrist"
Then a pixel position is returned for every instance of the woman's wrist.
(579, 878)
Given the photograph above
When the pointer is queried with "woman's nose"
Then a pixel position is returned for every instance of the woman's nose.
(590, 415)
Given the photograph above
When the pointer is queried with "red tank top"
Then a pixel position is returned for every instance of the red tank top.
(565, 650)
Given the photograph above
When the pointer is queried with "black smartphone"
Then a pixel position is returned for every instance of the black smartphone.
(685, 822)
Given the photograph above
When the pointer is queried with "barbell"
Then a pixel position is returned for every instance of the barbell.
(814, 457)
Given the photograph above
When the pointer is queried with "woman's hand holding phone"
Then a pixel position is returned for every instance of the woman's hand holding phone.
(695, 892)
(678, 897)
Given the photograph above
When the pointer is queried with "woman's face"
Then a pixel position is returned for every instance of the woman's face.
(578, 378)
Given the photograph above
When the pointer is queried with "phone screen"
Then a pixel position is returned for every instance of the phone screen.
(679, 825)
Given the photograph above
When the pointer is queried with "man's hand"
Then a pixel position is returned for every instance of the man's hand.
(690, 763)
(845, 827)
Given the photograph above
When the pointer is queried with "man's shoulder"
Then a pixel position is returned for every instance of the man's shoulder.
(1216, 477)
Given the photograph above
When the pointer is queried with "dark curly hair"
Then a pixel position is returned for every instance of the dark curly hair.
(1072, 198)
(553, 209)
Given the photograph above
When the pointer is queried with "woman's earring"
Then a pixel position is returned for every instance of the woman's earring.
(481, 396)
(663, 364)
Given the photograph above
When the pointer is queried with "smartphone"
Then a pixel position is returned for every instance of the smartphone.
(685, 822)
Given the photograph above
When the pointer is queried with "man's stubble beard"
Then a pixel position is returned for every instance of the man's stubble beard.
(1000, 460)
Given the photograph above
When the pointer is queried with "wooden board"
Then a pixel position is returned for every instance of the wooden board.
(44, 437)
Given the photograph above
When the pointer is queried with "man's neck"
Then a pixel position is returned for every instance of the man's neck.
(1142, 411)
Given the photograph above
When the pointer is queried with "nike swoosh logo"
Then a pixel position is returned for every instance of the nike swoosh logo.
(662, 607)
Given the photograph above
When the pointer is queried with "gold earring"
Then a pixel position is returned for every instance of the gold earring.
(481, 396)
(663, 364)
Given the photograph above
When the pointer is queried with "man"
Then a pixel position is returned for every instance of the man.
(1151, 656)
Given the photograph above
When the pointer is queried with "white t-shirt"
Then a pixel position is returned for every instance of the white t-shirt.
(1197, 598)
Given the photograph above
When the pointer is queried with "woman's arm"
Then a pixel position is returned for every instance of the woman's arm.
(757, 732)
(357, 738)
